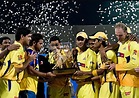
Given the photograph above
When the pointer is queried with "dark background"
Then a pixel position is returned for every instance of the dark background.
(86, 12)
(65, 18)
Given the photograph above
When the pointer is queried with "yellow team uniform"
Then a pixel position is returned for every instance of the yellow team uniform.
(9, 86)
(87, 62)
(30, 82)
(60, 86)
(1, 60)
(128, 59)
(109, 84)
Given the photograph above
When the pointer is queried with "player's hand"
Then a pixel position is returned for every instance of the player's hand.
(136, 69)
(49, 75)
(100, 71)
(101, 49)
(103, 54)
(32, 56)
(79, 73)
(112, 66)
(13, 47)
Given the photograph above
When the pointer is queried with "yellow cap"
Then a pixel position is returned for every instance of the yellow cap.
(82, 34)
(128, 30)
(99, 35)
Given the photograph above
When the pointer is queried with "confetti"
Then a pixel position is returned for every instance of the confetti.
(52, 17)
(48, 18)
(120, 11)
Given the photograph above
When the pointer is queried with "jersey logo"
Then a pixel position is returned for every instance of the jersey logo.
(20, 57)
(84, 58)
(119, 54)
(127, 93)
(135, 52)
(81, 64)
(124, 48)
(133, 58)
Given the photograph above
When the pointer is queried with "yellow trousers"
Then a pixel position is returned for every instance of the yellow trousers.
(109, 90)
(88, 91)
(9, 89)
(129, 92)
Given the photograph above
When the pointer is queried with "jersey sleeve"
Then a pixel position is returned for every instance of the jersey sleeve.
(17, 57)
(134, 59)
(110, 54)
(91, 60)
(111, 58)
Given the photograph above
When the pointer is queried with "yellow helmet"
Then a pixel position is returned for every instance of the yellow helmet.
(99, 35)
(82, 34)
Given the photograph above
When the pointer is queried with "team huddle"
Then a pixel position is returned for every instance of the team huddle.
(104, 70)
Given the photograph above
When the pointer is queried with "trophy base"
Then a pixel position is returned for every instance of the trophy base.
(81, 77)
(68, 71)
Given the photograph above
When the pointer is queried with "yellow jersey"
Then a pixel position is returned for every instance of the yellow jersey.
(13, 60)
(128, 59)
(30, 82)
(108, 76)
(2, 59)
(86, 61)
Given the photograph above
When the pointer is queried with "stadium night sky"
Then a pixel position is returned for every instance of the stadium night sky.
(15, 13)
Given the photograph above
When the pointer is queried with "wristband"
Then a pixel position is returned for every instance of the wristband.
(94, 73)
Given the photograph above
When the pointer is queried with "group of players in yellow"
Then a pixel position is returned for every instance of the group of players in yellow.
(104, 70)
(19, 68)
(113, 76)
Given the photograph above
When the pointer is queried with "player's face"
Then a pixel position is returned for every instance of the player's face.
(39, 45)
(120, 34)
(97, 44)
(91, 44)
(6, 43)
(27, 39)
(80, 42)
(55, 44)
